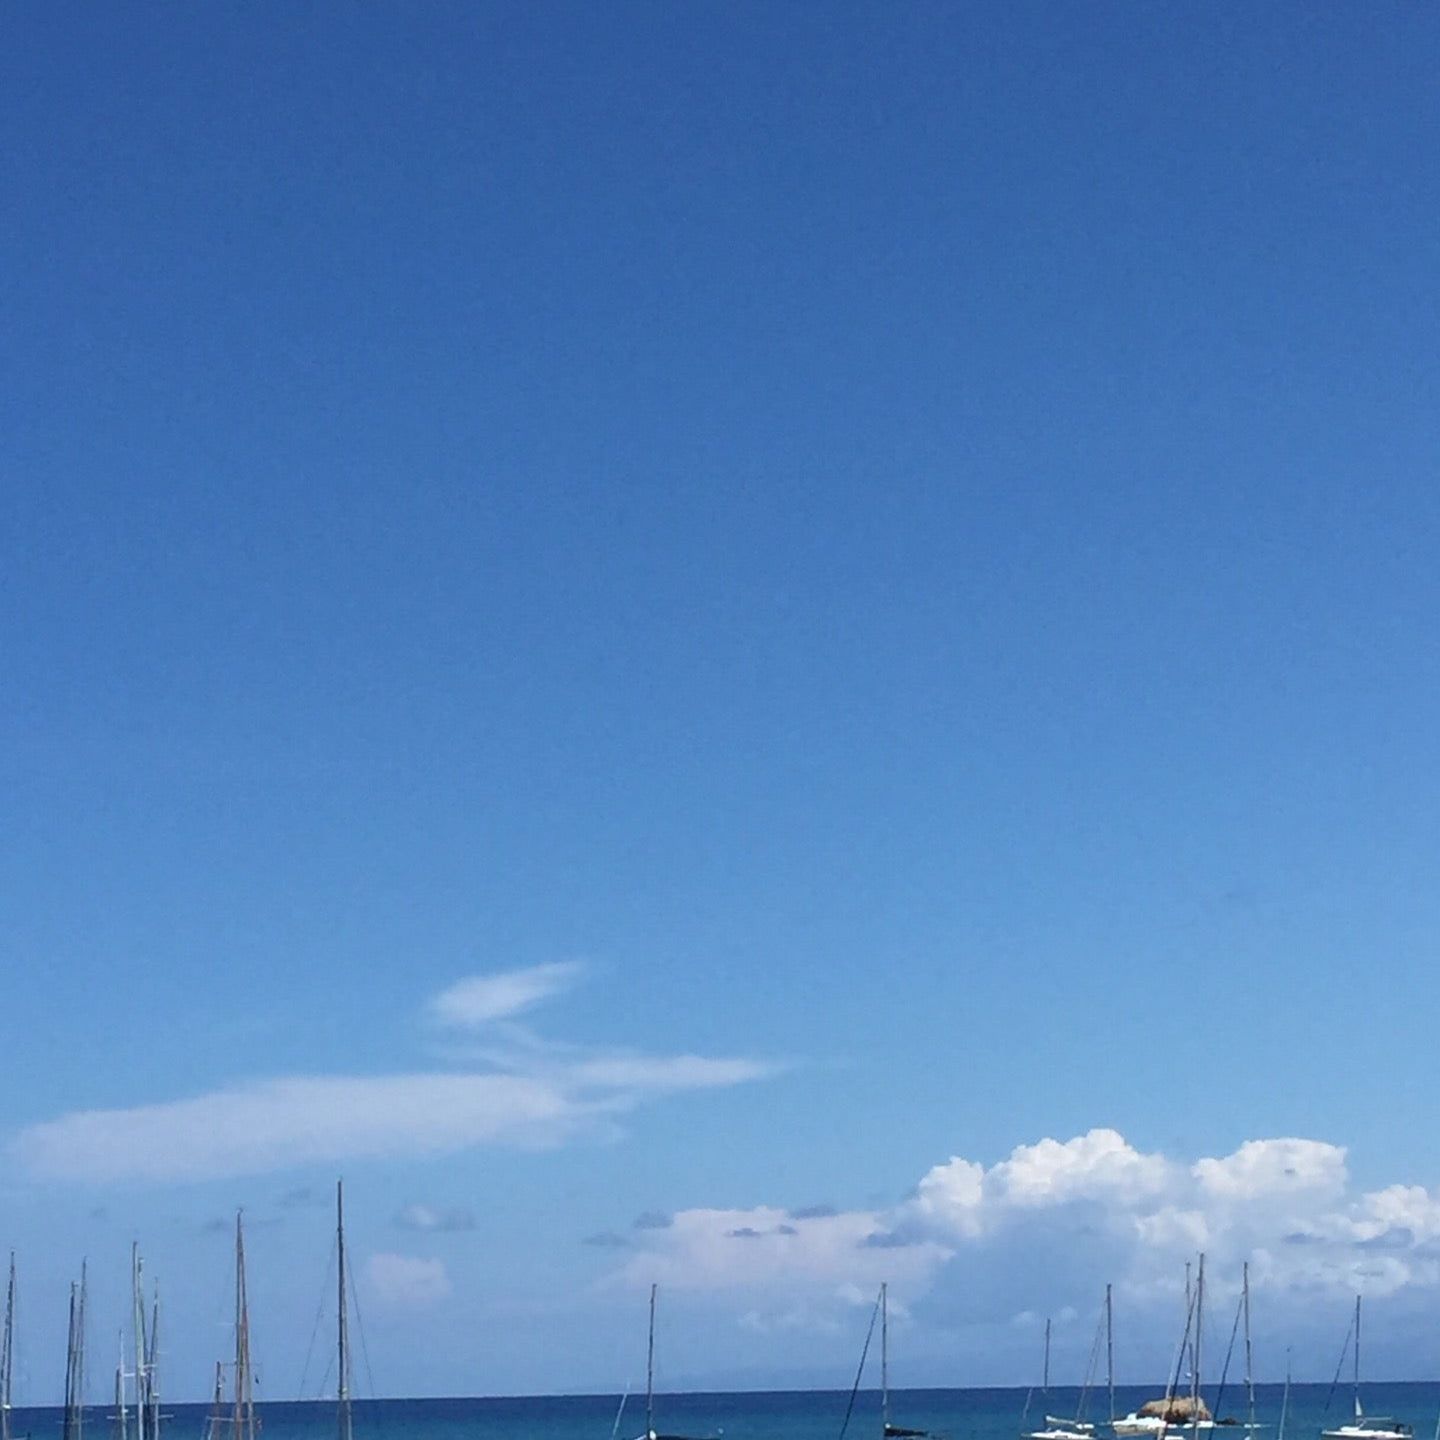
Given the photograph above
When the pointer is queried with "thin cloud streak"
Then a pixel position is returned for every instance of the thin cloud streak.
(528, 1097)
(271, 1124)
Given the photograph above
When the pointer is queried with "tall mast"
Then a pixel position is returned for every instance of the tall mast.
(138, 1306)
(152, 1365)
(650, 1373)
(343, 1339)
(1249, 1358)
(1045, 1373)
(217, 1408)
(244, 1391)
(67, 1424)
(1110, 1350)
(121, 1418)
(1199, 1334)
(1189, 1310)
(80, 1355)
(1358, 1411)
(884, 1359)
(7, 1353)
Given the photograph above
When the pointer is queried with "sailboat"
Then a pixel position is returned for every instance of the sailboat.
(147, 1350)
(1175, 1412)
(236, 1421)
(1074, 1427)
(887, 1430)
(73, 1423)
(1372, 1427)
(650, 1384)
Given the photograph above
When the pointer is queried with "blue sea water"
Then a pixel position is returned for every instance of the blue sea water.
(781, 1415)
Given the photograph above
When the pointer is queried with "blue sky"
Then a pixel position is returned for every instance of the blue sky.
(877, 562)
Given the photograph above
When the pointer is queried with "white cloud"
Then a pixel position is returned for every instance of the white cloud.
(763, 1249)
(481, 1000)
(1048, 1225)
(270, 1124)
(1097, 1166)
(406, 1281)
(524, 1094)
(1275, 1167)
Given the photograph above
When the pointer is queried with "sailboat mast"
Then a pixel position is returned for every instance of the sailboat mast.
(7, 1353)
(884, 1358)
(244, 1393)
(217, 1407)
(1358, 1411)
(650, 1373)
(67, 1422)
(1110, 1350)
(1199, 1334)
(1045, 1373)
(1189, 1311)
(343, 1339)
(1249, 1357)
(80, 1355)
(121, 1419)
(152, 1367)
(138, 1306)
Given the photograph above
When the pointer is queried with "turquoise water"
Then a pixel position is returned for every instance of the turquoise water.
(786, 1415)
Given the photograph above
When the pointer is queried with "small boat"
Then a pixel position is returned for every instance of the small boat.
(1073, 1427)
(1365, 1427)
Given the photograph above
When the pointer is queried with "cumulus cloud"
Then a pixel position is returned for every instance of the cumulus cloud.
(407, 1281)
(527, 1095)
(1048, 1225)
(483, 999)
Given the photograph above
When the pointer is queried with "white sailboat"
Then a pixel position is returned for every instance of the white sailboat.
(1076, 1427)
(1365, 1427)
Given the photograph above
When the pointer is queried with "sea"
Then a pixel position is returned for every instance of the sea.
(775, 1415)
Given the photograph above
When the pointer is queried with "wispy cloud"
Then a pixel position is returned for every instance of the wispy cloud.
(481, 1000)
(526, 1096)
(407, 1281)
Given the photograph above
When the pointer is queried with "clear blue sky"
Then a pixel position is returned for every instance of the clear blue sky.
(900, 539)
